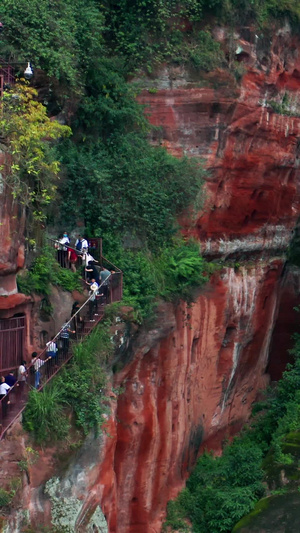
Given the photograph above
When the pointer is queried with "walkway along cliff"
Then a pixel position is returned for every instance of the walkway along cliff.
(190, 381)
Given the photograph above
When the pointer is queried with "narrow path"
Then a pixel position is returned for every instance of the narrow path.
(14, 403)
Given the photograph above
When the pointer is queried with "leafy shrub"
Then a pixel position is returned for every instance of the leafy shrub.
(77, 389)
(221, 490)
(172, 272)
(44, 271)
(44, 415)
(140, 189)
(206, 54)
(29, 134)
(83, 382)
(5, 498)
(55, 37)
(184, 270)
(285, 106)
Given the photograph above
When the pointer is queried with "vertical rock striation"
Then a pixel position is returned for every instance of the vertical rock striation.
(190, 381)
(192, 385)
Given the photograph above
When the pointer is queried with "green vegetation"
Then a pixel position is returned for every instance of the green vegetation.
(146, 31)
(54, 37)
(5, 498)
(29, 134)
(172, 273)
(116, 181)
(285, 106)
(77, 391)
(221, 490)
(121, 187)
(45, 271)
(129, 191)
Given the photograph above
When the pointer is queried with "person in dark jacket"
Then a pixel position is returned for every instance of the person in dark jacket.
(10, 379)
(77, 320)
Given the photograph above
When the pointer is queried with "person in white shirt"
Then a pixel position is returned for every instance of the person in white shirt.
(51, 352)
(93, 300)
(22, 372)
(86, 258)
(62, 252)
(4, 388)
(22, 375)
(51, 348)
(37, 363)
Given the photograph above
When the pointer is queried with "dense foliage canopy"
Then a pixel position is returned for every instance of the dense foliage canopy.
(221, 490)
(29, 134)
(78, 389)
(131, 193)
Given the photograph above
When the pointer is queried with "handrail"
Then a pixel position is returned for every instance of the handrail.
(61, 329)
(56, 241)
(78, 252)
(63, 353)
(31, 365)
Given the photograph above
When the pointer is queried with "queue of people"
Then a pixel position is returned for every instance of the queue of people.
(98, 279)
(68, 256)
(92, 272)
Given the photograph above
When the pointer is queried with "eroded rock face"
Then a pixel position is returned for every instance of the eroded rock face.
(190, 381)
(287, 323)
(192, 388)
(188, 390)
(251, 152)
(12, 217)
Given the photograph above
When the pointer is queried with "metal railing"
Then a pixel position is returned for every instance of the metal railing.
(82, 322)
(62, 255)
(116, 284)
(7, 76)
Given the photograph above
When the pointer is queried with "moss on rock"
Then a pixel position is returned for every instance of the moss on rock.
(65, 508)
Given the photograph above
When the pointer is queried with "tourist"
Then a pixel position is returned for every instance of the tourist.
(37, 362)
(89, 272)
(62, 253)
(105, 279)
(65, 337)
(51, 351)
(22, 372)
(87, 258)
(93, 299)
(10, 379)
(77, 319)
(72, 258)
(4, 388)
(104, 274)
(81, 244)
(92, 272)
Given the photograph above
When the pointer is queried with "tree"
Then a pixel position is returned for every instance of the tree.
(32, 170)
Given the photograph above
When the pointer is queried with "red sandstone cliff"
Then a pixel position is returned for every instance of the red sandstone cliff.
(12, 217)
(190, 381)
(194, 384)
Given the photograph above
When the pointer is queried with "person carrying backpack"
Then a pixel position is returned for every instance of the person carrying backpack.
(65, 337)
